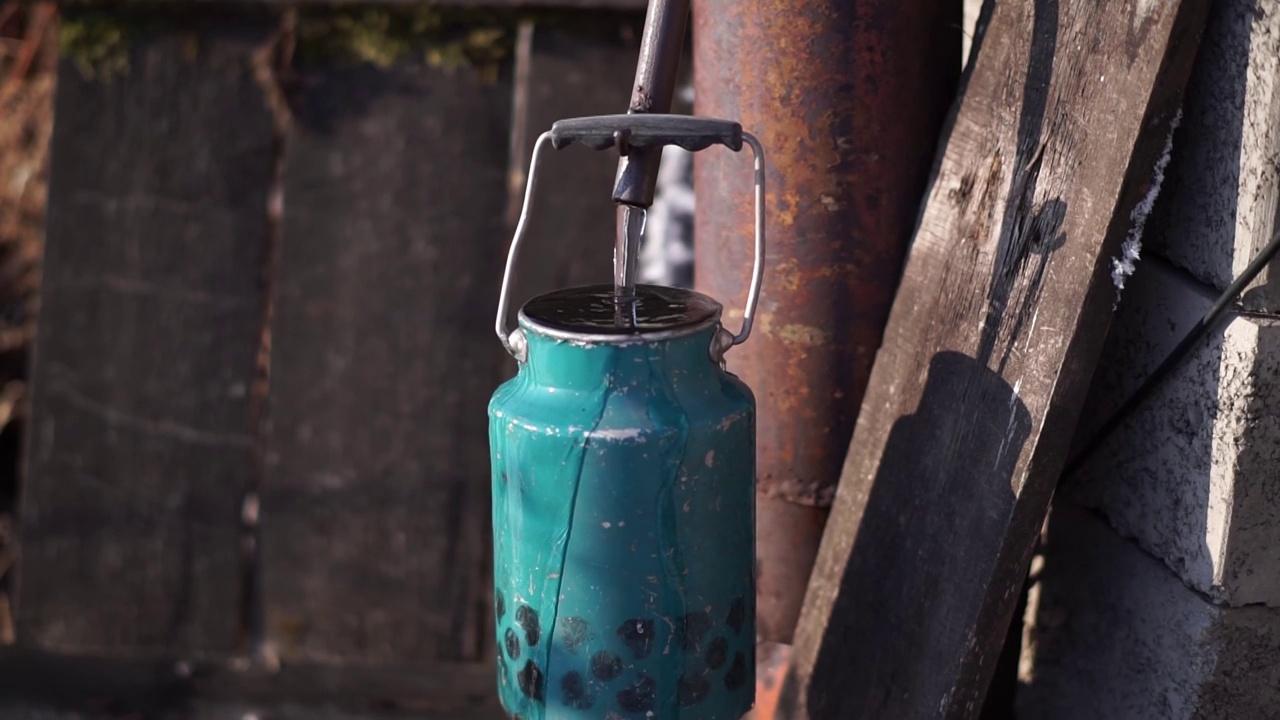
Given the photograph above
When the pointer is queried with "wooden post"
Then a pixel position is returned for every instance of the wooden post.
(375, 502)
(996, 328)
(150, 323)
(375, 505)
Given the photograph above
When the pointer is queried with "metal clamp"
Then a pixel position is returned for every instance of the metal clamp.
(640, 130)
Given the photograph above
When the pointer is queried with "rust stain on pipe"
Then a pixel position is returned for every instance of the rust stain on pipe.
(787, 538)
(773, 660)
(848, 97)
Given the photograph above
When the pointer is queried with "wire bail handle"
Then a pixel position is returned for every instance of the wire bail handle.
(602, 132)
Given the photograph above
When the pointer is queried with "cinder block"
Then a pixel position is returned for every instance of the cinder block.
(1194, 475)
(1218, 203)
(1117, 636)
(972, 9)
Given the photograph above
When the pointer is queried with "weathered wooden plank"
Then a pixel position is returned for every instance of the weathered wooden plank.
(563, 73)
(997, 325)
(375, 529)
(150, 321)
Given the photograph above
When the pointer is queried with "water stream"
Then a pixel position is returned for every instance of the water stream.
(626, 257)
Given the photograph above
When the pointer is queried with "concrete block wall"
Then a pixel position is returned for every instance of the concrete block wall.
(1159, 591)
(972, 8)
(1194, 476)
(1227, 174)
(1117, 636)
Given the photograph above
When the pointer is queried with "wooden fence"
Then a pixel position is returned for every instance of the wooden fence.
(264, 356)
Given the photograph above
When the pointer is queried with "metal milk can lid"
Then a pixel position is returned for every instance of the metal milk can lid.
(594, 314)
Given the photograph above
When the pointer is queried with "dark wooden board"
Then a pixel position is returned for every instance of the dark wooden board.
(151, 317)
(79, 687)
(375, 512)
(561, 74)
(570, 4)
(995, 331)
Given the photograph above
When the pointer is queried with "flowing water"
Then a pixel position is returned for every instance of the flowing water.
(626, 257)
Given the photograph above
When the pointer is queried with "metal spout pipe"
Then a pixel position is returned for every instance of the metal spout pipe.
(665, 24)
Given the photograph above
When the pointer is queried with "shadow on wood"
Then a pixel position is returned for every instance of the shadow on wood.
(905, 520)
(995, 330)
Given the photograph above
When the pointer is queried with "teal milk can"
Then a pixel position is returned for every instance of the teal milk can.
(623, 471)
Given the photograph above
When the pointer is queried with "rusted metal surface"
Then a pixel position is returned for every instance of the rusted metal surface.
(787, 538)
(772, 662)
(848, 98)
(665, 26)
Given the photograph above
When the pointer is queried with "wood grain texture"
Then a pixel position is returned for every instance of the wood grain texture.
(151, 316)
(996, 328)
(375, 512)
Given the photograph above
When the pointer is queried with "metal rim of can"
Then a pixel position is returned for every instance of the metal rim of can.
(713, 320)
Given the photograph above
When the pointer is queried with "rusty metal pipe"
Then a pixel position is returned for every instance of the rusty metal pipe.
(849, 97)
(661, 43)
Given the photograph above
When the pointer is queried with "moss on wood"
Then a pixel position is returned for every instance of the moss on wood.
(96, 35)
(382, 36)
(96, 42)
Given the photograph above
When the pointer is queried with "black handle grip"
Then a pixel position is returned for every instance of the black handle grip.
(601, 132)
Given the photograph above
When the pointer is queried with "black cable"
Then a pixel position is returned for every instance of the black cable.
(1184, 347)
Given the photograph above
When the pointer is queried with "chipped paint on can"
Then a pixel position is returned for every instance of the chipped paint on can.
(623, 518)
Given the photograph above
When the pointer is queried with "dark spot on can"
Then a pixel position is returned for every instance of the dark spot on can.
(717, 653)
(737, 615)
(512, 643)
(638, 696)
(638, 635)
(500, 605)
(692, 689)
(575, 691)
(527, 618)
(605, 665)
(692, 628)
(736, 677)
(573, 633)
(530, 680)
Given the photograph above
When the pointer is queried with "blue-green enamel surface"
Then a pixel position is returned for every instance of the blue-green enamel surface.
(623, 516)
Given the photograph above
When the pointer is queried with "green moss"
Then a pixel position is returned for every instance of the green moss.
(447, 37)
(96, 42)
(96, 35)
(443, 37)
